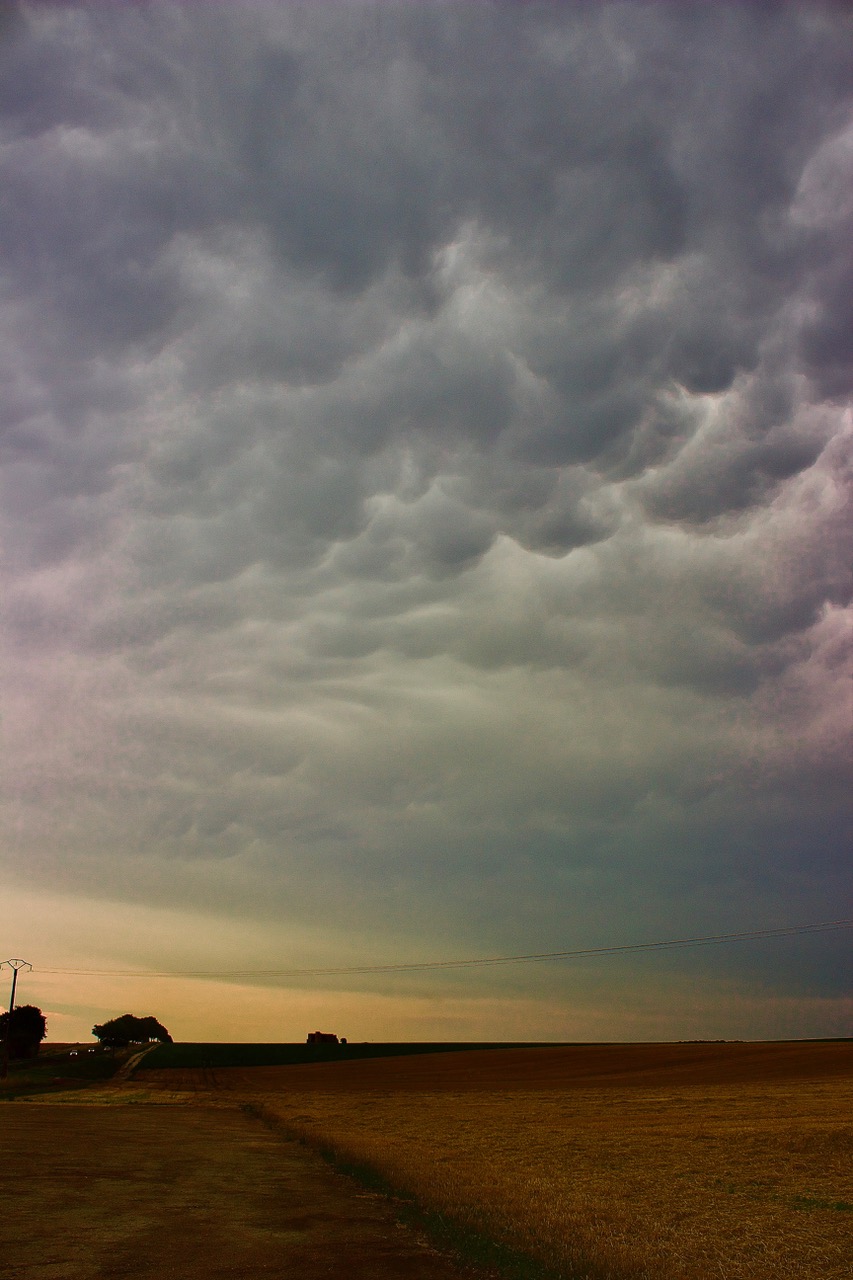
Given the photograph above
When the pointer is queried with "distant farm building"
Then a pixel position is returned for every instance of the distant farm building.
(323, 1037)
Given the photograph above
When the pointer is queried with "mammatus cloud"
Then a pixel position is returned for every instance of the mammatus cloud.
(425, 478)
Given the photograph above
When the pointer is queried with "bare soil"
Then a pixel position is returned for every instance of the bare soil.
(198, 1192)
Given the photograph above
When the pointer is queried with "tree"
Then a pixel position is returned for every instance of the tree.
(128, 1029)
(26, 1031)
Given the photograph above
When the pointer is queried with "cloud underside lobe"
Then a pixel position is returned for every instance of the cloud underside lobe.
(426, 464)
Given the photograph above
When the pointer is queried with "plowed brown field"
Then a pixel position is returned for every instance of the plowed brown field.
(642, 1162)
(607, 1066)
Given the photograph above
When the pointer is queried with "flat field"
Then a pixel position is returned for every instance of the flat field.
(103, 1190)
(216, 1055)
(643, 1162)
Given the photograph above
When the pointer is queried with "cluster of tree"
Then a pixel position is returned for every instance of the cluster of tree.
(120, 1032)
(23, 1032)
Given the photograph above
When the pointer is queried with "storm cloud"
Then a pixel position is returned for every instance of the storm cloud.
(425, 482)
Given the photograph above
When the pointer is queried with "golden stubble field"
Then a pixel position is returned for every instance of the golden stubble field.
(645, 1162)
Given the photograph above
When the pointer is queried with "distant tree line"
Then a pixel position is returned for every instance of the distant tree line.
(120, 1032)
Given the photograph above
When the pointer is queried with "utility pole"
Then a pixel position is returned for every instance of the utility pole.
(16, 966)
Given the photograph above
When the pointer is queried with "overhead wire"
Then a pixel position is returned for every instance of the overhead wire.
(419, 966)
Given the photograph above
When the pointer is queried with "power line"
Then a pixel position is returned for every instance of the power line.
(419, 966)
(16, 965)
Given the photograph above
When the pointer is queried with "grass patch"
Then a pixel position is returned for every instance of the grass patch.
(815, 1202)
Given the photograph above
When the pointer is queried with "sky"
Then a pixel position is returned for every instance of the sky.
(426, 514)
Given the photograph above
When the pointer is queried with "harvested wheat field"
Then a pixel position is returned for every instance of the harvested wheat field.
(643, 1162)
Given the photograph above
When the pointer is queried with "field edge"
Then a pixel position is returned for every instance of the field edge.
(488, 1257)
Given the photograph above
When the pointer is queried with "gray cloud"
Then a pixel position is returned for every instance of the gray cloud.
(425, 461)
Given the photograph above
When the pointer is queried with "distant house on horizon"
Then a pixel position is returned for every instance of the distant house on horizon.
(323, 1037)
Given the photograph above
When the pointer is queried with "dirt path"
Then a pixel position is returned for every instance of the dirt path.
(151, 1192)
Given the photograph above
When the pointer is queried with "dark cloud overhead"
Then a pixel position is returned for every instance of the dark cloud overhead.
(425, 465)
